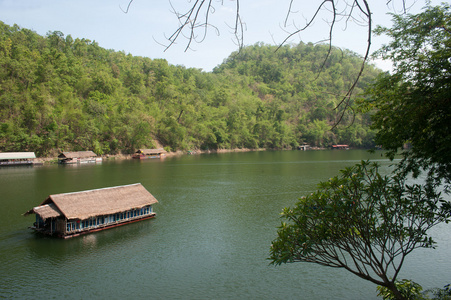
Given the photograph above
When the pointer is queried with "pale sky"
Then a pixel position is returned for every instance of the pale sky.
(140, 31)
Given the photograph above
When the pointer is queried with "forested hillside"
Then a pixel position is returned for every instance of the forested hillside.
(59, 94)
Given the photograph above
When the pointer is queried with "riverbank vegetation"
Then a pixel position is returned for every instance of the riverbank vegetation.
(63, 94)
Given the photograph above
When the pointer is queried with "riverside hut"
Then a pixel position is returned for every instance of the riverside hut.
(16, 158)
(78, 157)
(346, 147)
(72, 214)
(149, 153)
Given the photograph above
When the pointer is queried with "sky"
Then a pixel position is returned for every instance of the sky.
(144, 29)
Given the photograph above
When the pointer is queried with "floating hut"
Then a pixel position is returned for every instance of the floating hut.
(304, 147)
(17, 158)
(78, 157)
(72, 214)
(149, 153)
(346, 147)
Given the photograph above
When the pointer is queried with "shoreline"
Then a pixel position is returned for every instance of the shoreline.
(52, 160)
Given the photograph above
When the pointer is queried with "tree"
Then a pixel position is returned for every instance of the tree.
(363, 222)
(412, 106)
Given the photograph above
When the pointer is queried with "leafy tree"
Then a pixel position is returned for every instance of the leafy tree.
(441, 294)
(407, 288)
(412, 290)
(363, 222)
(412, 105)
(368, 223)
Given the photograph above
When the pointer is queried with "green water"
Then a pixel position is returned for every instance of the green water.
(216, 218)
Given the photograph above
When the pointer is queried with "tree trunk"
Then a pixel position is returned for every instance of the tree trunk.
(392, 287)
(180, 115)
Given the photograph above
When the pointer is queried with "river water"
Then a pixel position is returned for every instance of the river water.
(216, 217)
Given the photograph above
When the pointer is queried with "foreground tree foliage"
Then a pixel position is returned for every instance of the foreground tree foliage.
(412, 106)
(408, 289)
(363, 222)
(61, 94)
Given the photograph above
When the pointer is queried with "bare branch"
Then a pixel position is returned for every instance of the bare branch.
(288, 13)
(128, 7)
(309, 23)
(345, 102)
(197, 18)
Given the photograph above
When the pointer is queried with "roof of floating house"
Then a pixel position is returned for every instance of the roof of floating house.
(17, 155)
(47, 211)
(81, 154)
(85, 204)
(151, 151)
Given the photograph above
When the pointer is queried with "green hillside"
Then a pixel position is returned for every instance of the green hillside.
(59, 94)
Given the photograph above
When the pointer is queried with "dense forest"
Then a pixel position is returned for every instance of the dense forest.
(62, 94)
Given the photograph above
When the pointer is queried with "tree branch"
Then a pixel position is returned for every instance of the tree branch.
(197, 17)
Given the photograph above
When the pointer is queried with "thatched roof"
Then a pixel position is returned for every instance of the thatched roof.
(47, 211)
(17, 155)
(151, 151)
(86, 204)
(77, 154)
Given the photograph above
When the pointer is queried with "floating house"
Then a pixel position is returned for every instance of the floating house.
(78, 157)
(304, 147)
(17, 158)
(72, 214)
(149, 153)
(346, 147)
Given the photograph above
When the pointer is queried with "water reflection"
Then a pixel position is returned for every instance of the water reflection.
(45, 247)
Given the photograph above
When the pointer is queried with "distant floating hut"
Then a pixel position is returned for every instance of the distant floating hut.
(17, 158)
(346, 147)
(304, 147)
(78, 157)
(149, 153)
(72, 214)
